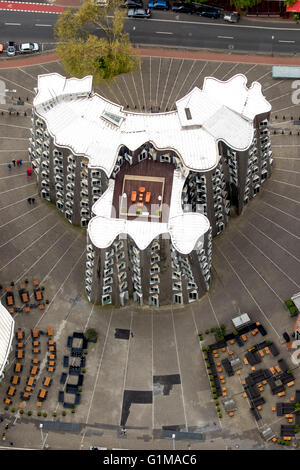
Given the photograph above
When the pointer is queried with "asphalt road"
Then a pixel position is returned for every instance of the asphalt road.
(170, 29)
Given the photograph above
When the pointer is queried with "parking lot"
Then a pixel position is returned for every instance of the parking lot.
(255, 268)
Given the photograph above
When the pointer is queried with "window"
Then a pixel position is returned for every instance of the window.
(165, 158)
(106, 299)
(121, 266)
(177, 286)
(107, 290)
(142, 156)
(193, 296)
(177, 299)
(154, 300)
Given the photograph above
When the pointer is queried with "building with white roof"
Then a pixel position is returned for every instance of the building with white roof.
(7, 325)
(152, 188)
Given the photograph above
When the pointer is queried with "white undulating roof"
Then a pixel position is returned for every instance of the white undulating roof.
(78, 119)
(185, 229)
(6, 335)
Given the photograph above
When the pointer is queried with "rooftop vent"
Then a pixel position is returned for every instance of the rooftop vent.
(188, 113)
(113, 118)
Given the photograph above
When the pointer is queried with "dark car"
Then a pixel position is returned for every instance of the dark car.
(159, 5)
(286, 337)
(139, 13)
(183, 8)
(209, 12)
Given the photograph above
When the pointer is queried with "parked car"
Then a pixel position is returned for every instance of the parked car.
(132, 4)
(286, 336)
(232, 17)
(11, 49)
(184, 8)
(208, 12)
(28, 47)
(139, 13)
(159, 5)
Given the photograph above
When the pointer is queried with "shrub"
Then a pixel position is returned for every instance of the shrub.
(207, 331)
(29, 413)
(289, 303)
(201, 338)
(293, 310)
(91, 334)
(64, 413)
(26, 281)
(217, 402)
(79, 389)
(205, 357)
(200, 333)
(13, 410)
(215, 395)
(235, 332)
(214, 389)
(83, 370)
(218, 408)
(39, 413)
(211, 376)
(212, 330)
(73, 410)
(46, 301)
(6, 407)
(54, 413)
(45, 414)
(21, 411)
(85, 351)
(12, 283)
(220, 415)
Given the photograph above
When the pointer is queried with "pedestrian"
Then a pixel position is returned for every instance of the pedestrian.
(28, 171)
(14, 162)
(9, 166)
(11, 443)
(18, 162)
(6, 426)
(3, 437)
(33, 200)
(29, 200)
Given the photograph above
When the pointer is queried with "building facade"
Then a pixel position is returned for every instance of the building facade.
(152, 189)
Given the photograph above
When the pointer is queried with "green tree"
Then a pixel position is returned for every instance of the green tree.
(83, 53)
(289, 3)
(244, 4)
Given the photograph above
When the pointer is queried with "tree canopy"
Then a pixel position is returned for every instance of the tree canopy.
(83, 53)
(244, 3)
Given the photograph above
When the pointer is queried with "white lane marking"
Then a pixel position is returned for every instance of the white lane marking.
(12, 24)
(286, 41)
(163, 32)
(46, 25)
(225, 37)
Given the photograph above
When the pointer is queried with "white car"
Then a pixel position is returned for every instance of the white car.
(232, 17)
(29, 47)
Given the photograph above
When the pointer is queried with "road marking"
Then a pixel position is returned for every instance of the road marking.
(225, 37)
(163, 32)
(12, 24)
(48, 25)
(287, 41)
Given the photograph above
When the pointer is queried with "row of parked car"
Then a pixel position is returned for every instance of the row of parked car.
(136, 9)
(24, 48)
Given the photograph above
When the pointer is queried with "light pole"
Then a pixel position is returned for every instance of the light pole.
(42, 435)
(272, 44)
(173, 441)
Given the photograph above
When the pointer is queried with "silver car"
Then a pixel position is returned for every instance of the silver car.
(28, 47)
(11, 49)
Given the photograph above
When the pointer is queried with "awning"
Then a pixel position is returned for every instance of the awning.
(294, 9)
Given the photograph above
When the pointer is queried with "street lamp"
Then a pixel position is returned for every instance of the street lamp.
(42, 435)
(173, 441)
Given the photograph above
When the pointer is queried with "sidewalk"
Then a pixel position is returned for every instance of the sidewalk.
(166, 53)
